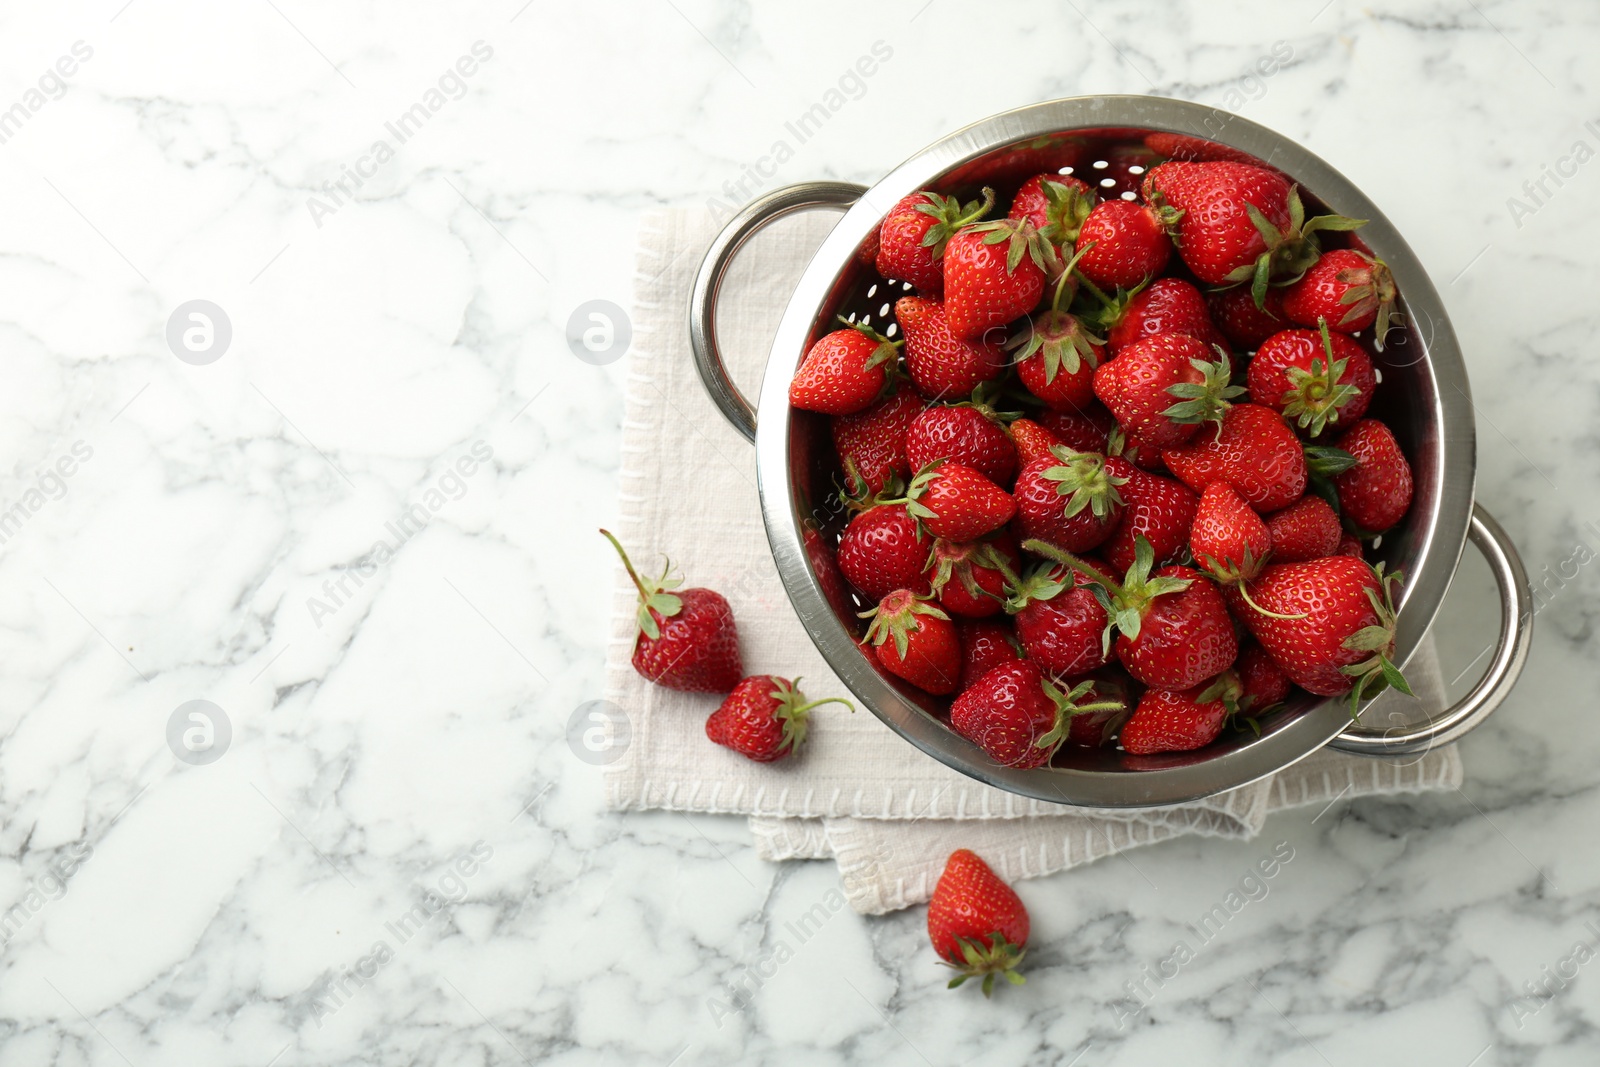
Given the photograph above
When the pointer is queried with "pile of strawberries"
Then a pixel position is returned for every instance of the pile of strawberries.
(1111, 484)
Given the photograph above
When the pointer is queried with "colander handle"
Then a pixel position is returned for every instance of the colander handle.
(1510, 654)
(708, 285)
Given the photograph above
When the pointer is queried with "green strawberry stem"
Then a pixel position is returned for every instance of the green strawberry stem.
(655, 598)
(1377, 672)
(998, 957)
(1244, 594)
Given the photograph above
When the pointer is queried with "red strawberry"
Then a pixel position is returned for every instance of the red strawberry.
(1135, 451)
(985, 645)
(1350, 546)
(1031, 440)
(957, 503)
(1172, 627)
(1263, 685)
(824, 561)
(1314, 378)
(1307, 529)
(1121, 244)
(1069, 499)
(976, 923)
(1166, 305)
(916, 641)
(1343, 642)
(969, 578)
(1347, 288)
(764, 718)
(941, 365)
(871, 444)
(1060, 622)
(1085, 429)
(1183, 146)
(844, 372)
(1056, 205)
(1097, 728)
(994, 272)
(962, 434)
(1238, 223)
(1157, 509)
(1172, 721)
(1376, 492)
(912, 236)
(1056, 357)
(687, 639)
(1017, 715)
(1255, 451)
(1162, 388)
(883, 549)
(1228, 539)
(1236, 315)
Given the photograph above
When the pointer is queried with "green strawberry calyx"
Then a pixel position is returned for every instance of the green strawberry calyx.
(1376, 293)
(1021, 238)
(1083, 480)
(949, 215)
(1043, 581)
(1316, 396)
(654, 599)
(1066, 206)
(1291, 250)
(896, 619)
(1207, 400)
(998, 957)
(1071, 703)
(793, 711)
(886, 355)
(950, 559)
(1125, 602)
(1377, 672)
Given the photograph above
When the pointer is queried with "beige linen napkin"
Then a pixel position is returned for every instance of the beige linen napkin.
(857, 793)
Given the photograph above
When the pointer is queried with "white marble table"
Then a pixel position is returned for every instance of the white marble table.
(397, 859)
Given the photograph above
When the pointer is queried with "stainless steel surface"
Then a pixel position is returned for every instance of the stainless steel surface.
(1511, 653)
(708, 285)
(1425, 398)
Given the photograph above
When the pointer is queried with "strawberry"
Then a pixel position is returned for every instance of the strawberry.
(965, 434)
(976, 923)
(1031, 440)
(957, 503)
(1056, 205)
(994, 272)
(1344, 642)
(1087, 428)
(1262, 683)
(1349, 545)
(1228, 539)
(912, 237)
(824, 560)
(1237, 223)
(1070, 499)
(1156, 509)
(845, 371)
(1348, 289)
(687, 639)
(1255, 451)
(871, 444)
(1056, 357)
(1162, 388)
(1375, 493)
(764, 718)
(1183, 146)
(1307, 529)
(1166, 305)
(1095, 729)
(1180, 721)
(1235, 313)
(939, 363)
(985, 645)
(1172, 627)
(969, 578)
(916, 641)
(883, 549)
(1018, 716)
(1313, 377)
(1059, 620)
(1122, 244)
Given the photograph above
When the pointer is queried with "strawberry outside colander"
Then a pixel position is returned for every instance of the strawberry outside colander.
(1424, 397)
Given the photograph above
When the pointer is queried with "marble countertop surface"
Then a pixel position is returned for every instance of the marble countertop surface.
(389, 213)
